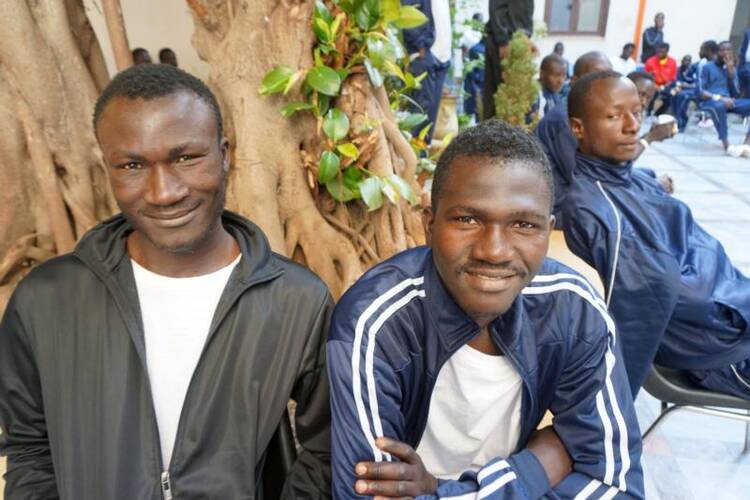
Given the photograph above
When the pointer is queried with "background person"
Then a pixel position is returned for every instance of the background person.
(652, 37)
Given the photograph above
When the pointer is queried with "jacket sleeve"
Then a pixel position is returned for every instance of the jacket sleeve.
(670, 71)
(310, 477)
(358, 420)
(743, 48)
(506, 17)
(641, 285)
(421, 37)
(24, 440)
(594, 415)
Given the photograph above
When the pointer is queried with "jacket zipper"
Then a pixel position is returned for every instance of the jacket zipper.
(166, 486)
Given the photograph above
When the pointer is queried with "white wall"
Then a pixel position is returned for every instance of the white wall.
(151, 25)
(687, 24)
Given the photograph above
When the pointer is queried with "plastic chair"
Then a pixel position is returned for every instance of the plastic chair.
(676, 391)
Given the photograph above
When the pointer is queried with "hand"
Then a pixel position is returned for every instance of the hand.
(551, 452)
(729, 61)
(422, 52)
(666, 182)
(660, 131)
(407, 478)
(728, 102)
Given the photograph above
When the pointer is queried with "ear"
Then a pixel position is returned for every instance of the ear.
(427, 219)
(552, 221)
(224, 146)
(576, 126)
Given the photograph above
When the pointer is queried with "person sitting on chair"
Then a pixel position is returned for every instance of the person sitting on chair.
(443, 359)
(676, 298)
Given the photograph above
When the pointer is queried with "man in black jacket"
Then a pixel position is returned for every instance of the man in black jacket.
(506, 17)
(158, 358)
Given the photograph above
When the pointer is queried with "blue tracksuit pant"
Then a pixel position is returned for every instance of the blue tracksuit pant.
(428, 97)
(734, 379)
(680, 104)
(718, 113)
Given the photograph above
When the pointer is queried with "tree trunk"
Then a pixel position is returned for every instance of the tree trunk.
(242, 40)
(53, 177)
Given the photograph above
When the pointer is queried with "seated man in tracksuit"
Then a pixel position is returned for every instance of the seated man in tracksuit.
(690, 90)
(554, 133)
(444, 359)
(675, 296)
(719, 95)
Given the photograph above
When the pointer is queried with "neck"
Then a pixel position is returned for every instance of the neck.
(483, 343)
(218, 249)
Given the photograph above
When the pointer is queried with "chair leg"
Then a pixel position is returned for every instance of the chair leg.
(746, 448)
(666, 410)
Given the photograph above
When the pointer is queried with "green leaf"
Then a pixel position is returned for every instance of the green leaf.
(376, 52)
(336, 124)
(424, 131)
(324, 79)
(296, 77)
(376, 78)
(293, 107)
(339, 191)
(367, 14)
(387, 189)
(321, 29)
(322, 12)
(275, 80)
(403, 188)
(349, 6)
(336, 24)
(371, 191)
(393, 69)
(409, 17)
(411, 121)
(352, 177)
(349, 150)
(328, 168)
(390, 10)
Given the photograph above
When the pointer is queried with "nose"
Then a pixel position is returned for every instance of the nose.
(632, 123)
(493, 246)
(164, 187)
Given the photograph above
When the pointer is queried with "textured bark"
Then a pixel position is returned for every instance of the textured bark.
(53, 177)
(270, 184)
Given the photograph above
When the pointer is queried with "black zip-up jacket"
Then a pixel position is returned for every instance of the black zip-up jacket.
(76, 409)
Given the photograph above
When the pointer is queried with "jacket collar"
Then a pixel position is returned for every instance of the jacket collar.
(455, 327)
(104, 247)
(602, 170)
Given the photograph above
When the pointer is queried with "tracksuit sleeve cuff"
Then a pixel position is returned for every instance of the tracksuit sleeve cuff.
(530, 473)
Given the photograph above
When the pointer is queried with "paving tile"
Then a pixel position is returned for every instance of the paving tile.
(715, 206)
(738, 182)
(689, 181)
(660, 163)
(714, 163)
(726, 480)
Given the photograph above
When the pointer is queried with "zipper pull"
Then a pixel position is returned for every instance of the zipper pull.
(166, 486)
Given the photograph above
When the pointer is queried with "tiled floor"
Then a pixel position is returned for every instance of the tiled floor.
(692, 456)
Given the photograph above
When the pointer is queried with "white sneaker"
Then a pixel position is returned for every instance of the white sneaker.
(735, 150)
(745, 151)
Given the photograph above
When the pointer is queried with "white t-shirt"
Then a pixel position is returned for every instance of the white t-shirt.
(177, 314)
(623, 66)
(475, 414)
(441, 16)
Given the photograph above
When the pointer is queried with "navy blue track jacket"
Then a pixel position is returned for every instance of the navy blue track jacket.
(669, 284)
(396, 327)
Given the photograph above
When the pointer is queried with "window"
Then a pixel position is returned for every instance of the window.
(576, 17)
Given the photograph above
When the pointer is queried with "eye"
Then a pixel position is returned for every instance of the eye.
(467, 219)
(524, 225)
(131, 165)
(184, 158)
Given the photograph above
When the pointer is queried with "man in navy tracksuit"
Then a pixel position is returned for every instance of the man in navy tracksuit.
(554, 133)
(429, 49)
(719, 95)
(743, 69)
(444, 359)
(675, 296)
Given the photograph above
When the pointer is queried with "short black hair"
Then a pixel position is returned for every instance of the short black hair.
(629, 45)
(634, 76)
(499, 141)
(581, 89)
(551, 59)
(166, 51)
(152, 81)
(711, 45)
(581, 67)
(663, 45)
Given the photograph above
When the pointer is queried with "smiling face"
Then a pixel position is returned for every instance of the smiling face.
(167, 169)
(610, 121)
(489, 233)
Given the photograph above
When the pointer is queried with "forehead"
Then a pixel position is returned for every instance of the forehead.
(610, 92)
(494, 186)
(180, 113)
